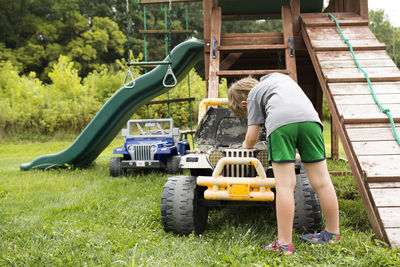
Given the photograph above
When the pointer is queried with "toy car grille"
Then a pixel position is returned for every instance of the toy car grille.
(239, 170)
(142, 152)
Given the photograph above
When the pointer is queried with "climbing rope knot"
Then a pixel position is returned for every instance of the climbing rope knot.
(386, 110)
(346, 41)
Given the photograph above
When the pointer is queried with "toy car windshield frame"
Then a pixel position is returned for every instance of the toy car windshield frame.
(164, 133)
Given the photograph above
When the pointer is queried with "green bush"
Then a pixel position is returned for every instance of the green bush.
(68, 103)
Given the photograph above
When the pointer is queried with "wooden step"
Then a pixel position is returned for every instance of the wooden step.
(362, 88)
(228, 73)
(324, 20)
(341, 46)
(380, 168)
(346, 55)
(374, 148)
(370, 132)
(376, 74)
(369, 113)
(329, 38)
(367, 99)
(239, 48)
(251, 38)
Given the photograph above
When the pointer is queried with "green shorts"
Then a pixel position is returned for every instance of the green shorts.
(305, 136)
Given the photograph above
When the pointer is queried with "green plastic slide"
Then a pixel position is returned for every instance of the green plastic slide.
(119, 109)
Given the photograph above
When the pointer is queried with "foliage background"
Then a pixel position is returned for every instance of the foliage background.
(60, 61)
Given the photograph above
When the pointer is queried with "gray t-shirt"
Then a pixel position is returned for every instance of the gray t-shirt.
(277, 101)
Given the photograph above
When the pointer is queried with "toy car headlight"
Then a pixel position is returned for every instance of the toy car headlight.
(214, 156)
(153, 149)
(131, 148)
(262, 156)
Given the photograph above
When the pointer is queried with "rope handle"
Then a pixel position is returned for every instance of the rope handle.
(383, 109)
(169, 73)
(129, 74)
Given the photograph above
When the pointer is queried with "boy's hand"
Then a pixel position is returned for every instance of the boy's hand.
(244, 145)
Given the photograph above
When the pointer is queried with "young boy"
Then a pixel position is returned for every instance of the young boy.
(291, 122)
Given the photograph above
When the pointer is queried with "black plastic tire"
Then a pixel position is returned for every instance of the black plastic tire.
(181, 209)
(115, 167)
(173, 165)
(307, 215)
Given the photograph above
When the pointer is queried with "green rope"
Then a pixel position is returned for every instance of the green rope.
(128, 30)
(145, 50)
(167, 41)
(144, 36)
(383, 109)
(188, 76)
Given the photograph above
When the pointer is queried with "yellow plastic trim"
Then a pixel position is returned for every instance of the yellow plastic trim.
(260, 186)
(204, 104)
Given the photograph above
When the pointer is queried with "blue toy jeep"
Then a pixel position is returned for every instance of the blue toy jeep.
(150, 144)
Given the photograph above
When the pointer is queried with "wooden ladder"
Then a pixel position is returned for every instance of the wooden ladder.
(236, 44)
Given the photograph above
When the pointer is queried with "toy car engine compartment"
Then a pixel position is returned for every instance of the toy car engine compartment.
(220, 129)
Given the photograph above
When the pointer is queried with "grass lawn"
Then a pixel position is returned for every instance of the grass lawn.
(84, 217)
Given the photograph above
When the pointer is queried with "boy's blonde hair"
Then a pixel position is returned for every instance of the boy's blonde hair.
(237, 93)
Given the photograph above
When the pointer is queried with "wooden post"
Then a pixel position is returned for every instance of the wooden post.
(215, 41)
(364, 9)
(207, 8)
(318, 98)
(350, 6)
(290, 57)
(334, 141)
(295, 8)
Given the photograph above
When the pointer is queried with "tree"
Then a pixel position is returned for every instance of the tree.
(39, 31)
(385, 32)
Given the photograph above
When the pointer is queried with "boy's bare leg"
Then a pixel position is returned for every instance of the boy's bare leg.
(285, 178)
(321, 182)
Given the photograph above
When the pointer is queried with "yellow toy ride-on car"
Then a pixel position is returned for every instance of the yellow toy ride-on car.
(224, 174)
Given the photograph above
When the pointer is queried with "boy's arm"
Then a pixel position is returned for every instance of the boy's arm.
(252, 136)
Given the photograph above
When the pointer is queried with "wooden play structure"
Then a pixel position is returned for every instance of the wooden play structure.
(312, 52)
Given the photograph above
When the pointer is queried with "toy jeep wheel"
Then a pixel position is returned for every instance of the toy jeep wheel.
(173, 165)
(307, 215)
(181, 209)
(115, 167)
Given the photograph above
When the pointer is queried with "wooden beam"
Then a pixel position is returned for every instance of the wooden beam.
(165, 1)
(290, 57)
(213, 80)
(207, 8)
(229, 60)
(318, 98)
(295, 8)
(334, 141)
(251, 16)
(251, 47)
(229, 39)
(364, 9)
(228, 73)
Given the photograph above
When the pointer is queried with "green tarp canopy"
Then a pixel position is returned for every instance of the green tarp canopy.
(250, 7)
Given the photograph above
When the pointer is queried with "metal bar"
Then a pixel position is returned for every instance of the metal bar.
(165, 31)
(148, 63)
